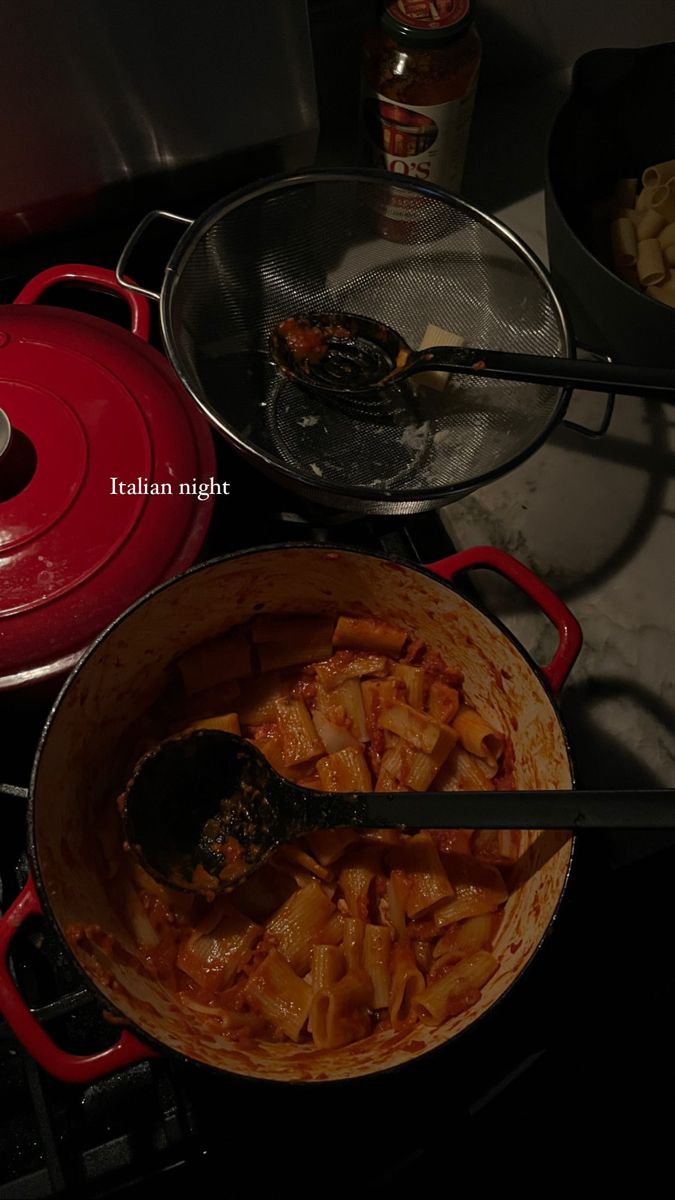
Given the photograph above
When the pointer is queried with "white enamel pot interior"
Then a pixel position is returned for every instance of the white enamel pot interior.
(86, 754)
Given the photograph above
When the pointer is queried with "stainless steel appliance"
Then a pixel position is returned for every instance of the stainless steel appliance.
(97, 96)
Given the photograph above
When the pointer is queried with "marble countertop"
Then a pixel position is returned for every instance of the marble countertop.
(595, 518)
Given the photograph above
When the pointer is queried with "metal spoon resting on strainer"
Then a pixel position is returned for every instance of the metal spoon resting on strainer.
(344, 352)
(204, 810)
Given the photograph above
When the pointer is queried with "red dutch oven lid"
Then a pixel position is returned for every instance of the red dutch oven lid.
(97, 418)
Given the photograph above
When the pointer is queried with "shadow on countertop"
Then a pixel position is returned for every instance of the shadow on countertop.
(595, 509)
(604, 760)
(655, 460)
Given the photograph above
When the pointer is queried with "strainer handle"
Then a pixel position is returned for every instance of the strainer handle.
(566, 624)
(121, 268)
(600, 429)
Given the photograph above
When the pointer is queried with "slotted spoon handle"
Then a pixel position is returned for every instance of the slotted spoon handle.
(590, 375)
(304, 812)
(648, 809)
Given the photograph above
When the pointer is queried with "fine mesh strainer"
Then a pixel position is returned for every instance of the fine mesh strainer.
(317, 242)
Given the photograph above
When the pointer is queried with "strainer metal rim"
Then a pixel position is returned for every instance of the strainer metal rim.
(200, 226)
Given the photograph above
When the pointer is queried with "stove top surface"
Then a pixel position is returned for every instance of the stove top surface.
(585, 1032)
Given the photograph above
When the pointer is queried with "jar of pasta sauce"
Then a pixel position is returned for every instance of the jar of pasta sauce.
(420, 71)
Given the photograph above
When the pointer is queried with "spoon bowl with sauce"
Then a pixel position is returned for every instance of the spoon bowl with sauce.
(344, 352)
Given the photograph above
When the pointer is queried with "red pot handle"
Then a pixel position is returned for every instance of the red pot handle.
(90, 277)
(569, 630)
(71, 1068)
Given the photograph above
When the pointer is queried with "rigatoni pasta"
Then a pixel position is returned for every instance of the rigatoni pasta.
(624, 242)
(217, 949)
(651, 267)
(448, 994)
(659, 174)
(376, 954)
(345, 931)
(642, 231)
(277, 993)
(649, 226)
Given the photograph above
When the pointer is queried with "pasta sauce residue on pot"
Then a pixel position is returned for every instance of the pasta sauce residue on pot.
(343, 932)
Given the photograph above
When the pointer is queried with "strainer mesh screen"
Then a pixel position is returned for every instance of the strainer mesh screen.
(319, 244)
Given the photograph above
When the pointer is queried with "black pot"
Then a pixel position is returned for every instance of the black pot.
(618, 119)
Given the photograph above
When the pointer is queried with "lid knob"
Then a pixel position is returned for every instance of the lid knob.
(5, 432)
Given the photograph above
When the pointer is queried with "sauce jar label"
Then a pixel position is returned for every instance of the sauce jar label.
(423, 14)
(427, 143)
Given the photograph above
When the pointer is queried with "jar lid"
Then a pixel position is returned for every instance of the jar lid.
(92, 514)
(427, 22)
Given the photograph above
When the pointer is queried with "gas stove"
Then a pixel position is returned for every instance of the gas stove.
(552, 1041)
(584, 1031)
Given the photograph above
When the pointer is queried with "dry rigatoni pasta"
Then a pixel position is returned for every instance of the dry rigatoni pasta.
(649, 226)
(660, 173)
(663, 201)
(665, 291)
(651, 267)
(642, 231)
(624, 242)
(644, 200)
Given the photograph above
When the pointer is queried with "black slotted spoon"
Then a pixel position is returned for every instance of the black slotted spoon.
(344, 352)
(203, 811)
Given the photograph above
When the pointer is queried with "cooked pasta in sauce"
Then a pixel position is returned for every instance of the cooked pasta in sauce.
(345, 931)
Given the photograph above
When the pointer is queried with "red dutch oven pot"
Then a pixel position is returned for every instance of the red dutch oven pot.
(84, 402)
(87, 750)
